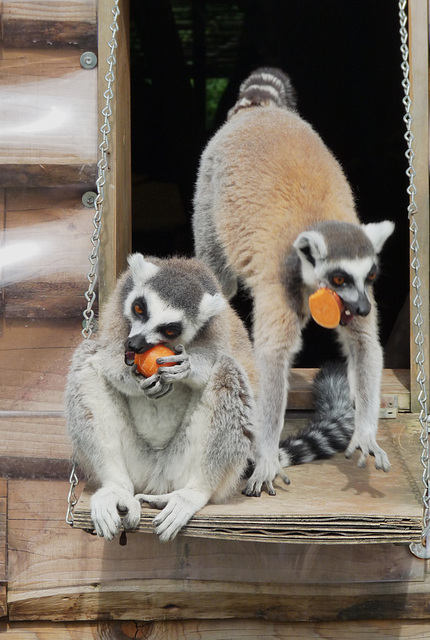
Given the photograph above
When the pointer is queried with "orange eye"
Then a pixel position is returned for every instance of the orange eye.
(138, 309)
(338, 280)
(371, 276)
(169, 332)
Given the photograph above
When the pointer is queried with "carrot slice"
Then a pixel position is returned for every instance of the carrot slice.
(146, 362)
(326, 307)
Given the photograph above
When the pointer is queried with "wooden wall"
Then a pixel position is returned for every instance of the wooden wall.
(60, 583)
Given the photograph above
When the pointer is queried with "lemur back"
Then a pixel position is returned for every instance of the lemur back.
(274, 210)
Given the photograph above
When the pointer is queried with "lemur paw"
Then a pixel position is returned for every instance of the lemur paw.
(368, 446)
(111, 508)
(154, 387)
(181, 368)
(177, 509)
(265, 471)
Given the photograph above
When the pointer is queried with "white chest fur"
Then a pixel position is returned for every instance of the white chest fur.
(157, 421)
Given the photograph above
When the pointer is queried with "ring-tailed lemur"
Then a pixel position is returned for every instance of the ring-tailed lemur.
(273, 209)
(181, 437)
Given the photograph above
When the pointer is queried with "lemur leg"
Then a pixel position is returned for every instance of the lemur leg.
(102, 435)
(365, 361)
(277, 338)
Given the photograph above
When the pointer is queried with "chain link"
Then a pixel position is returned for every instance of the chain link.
(102, 165)
(416, 281)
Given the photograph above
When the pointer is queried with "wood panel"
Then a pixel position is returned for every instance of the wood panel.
(3, 542)
(419, 63)
(34, 359)
(47, 232)
(394, 382)
(218, 630)
(49, 23)
(116, 224)
(48, 106)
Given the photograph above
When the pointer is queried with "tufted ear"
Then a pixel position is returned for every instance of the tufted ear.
(141, 269)
(311, 247)
(211, 305)
(378, 232)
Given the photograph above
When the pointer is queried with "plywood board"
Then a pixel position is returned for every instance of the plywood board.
(327, 502)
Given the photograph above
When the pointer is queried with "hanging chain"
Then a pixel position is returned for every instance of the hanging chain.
(416, 281)
(102, 165)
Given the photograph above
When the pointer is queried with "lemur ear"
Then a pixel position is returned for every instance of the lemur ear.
(211, 305)
(378, 232)
(311, 246)
(140, 268)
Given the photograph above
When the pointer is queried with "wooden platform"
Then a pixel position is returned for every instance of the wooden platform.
(327, 502)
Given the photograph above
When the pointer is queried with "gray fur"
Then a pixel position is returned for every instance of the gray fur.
(175, 440)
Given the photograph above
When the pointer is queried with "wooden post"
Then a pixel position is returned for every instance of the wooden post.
(116, 223)
(418, 59)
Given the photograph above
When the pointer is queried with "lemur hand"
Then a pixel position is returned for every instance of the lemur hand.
(153, 387)
(179, 370)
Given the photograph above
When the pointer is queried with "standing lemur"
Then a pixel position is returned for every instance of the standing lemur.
(274, 210)
(182, 436)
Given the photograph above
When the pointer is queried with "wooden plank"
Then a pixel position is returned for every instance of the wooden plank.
(51, 230)
(34, 358)
(367, 507)
(218, 630)
(3, 545)
(116, 227)
(52, 175)
(48, 23)
(394, 382)
(48, 106)
(419, 61)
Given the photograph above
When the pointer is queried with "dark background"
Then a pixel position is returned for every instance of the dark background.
(188, 59)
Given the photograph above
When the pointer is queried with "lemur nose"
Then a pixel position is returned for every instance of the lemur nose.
(137, 344)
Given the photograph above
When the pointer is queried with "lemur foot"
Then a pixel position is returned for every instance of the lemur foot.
(106, 505)
(265, 472)
(368, 446)
(177, 509)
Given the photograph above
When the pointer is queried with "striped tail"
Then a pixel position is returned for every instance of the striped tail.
(265, 87)
(332, 425)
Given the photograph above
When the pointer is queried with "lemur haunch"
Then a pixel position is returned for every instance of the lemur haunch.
(181, 437)
(273, 209)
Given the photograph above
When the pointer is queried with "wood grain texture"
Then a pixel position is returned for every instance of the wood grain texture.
(49, 23)
(48, 106)
(218, 630)
(34, 359)
(48, 231)
(3, 547)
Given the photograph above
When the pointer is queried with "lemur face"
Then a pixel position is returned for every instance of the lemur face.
(164, 306)
(343, 257)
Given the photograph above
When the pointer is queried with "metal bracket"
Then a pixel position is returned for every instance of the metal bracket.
(389, 405)
(89, 198)
(420, 550)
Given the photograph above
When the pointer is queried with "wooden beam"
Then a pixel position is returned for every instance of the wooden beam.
(3, 545)
(419, 43)
(116, 223)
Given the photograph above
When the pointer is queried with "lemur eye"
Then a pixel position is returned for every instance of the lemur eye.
(338, 280)
(371, 276)
(172, 330)
(138, 309)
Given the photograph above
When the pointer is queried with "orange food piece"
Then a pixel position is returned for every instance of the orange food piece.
(326, 307)
(146, 362)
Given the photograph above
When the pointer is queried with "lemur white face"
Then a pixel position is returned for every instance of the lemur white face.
(343, 257)
(153, 320)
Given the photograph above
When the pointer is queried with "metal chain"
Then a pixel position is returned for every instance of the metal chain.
(102, 165)
(416, 282)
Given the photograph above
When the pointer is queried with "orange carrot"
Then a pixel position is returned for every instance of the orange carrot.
(146, 362)
(326, 307)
